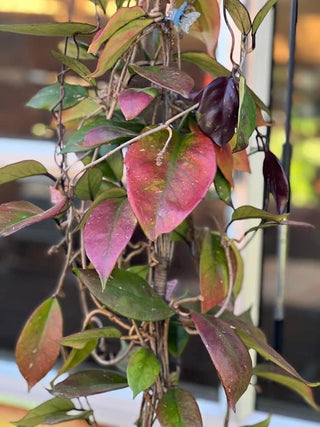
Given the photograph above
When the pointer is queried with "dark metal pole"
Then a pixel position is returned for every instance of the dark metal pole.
(282, 250)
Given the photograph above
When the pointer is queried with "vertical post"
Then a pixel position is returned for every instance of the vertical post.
(282, 248)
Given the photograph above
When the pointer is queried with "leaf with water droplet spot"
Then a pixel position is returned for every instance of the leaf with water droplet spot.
(37, 348)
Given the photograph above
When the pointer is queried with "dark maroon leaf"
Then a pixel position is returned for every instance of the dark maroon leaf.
(167, 77)
(217, 114)
(276, 180)
(228, 354)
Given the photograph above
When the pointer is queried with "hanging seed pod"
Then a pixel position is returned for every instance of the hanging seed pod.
(276, 180)
(217, 114)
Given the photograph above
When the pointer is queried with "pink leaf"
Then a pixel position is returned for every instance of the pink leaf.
(106, 233)
(38, 348)
(228, 354)
(133, 101)
(162, 194)
(16, 215)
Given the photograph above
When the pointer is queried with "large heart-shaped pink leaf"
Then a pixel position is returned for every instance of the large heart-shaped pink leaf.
(106, 233)
(228, 354)
(38, 348)
(163, 193)
(17, 215)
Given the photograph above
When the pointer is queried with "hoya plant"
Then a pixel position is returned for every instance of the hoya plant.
(149, 149)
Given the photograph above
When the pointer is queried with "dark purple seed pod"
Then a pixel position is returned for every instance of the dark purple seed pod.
(217, 114)
(276, 180)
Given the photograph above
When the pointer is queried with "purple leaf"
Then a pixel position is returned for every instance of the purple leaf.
(17, 215)
(276, 180)
(133, 101)
(106, 233)
(217, 114)
(228, 354)
(104, 134)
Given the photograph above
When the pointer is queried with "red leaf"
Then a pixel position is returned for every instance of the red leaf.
(133, 101)
(106, 233)
(213, 272)
(16, 215)
(228, 354)
(38, 348)
(207, 26)
(241, 161)
(163, 195)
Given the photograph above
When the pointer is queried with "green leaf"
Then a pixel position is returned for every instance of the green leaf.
(140, 270)
(247, 116)
(81, 339)
(214, 277)
(274, 373)
(77, 50)
(37, 348)
(223, 188)
(264, 423)
(248, 212)
(87, 383)
(206, 63)
(142, 370)
(239, 14)
(52, 29)
(117, 44)
(74, 65)
(127, 294)
(178, 339)
(21, 170)
(261, 15)
(237, 264)
(88, 185)
(211, 66)
(47, 97)
(77, 356)
(53, 411)
(178, 408)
